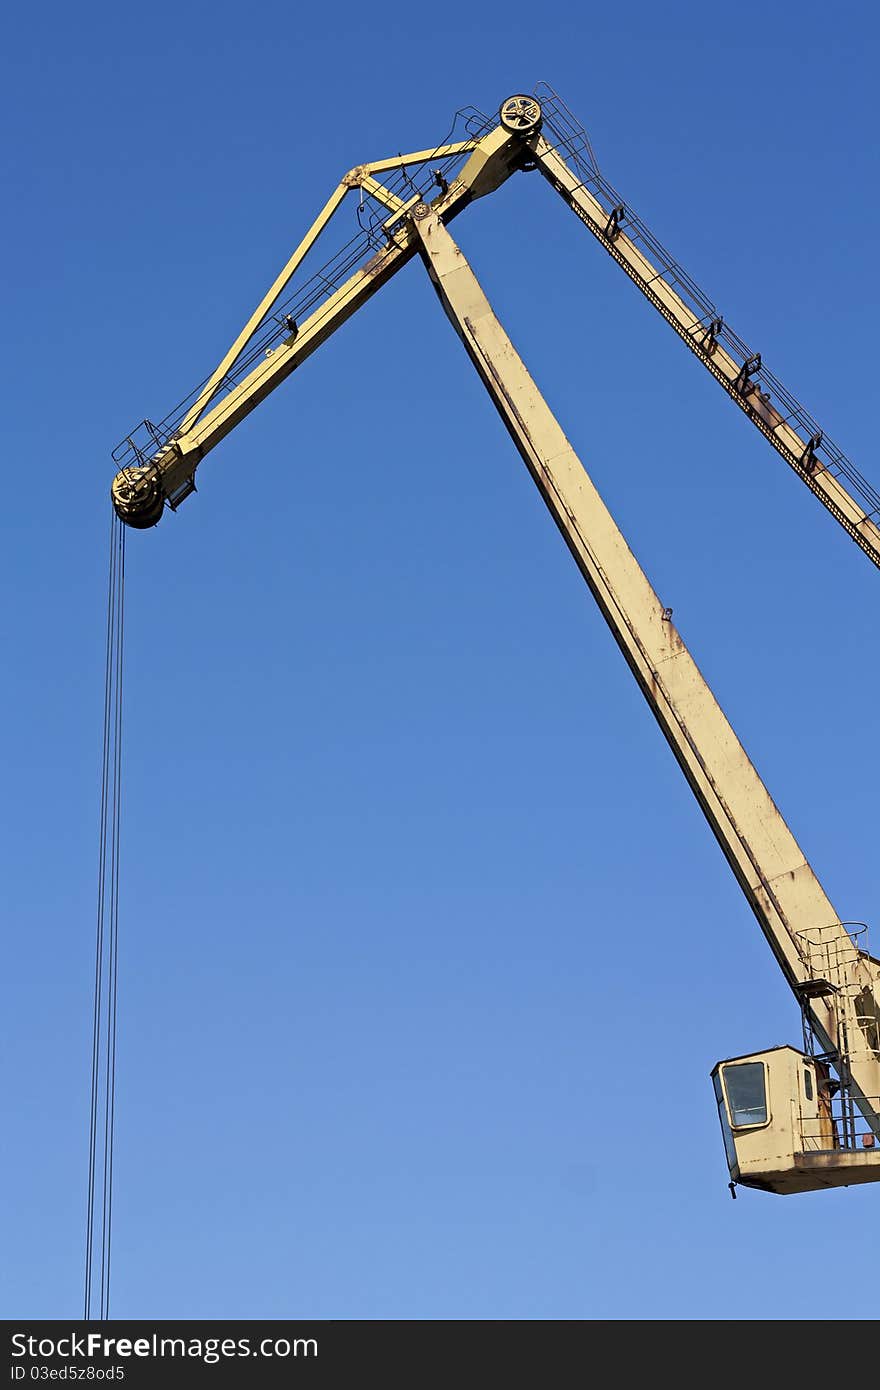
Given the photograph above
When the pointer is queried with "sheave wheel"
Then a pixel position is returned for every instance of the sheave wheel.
(521, 115)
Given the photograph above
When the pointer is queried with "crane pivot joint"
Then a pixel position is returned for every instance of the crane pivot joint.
(521, 115)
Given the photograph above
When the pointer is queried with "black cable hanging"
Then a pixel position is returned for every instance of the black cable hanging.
(104, 1013)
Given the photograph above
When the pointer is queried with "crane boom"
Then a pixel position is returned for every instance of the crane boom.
(160, 467)
(741, 376)
(771, 868)
(777, 1112)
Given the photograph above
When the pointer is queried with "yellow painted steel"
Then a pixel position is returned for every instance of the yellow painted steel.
(836, 983)
(771, 868)
(800, 1138)
(265, 305)
(359, 177)
(493, 157)
(171, 470)
(403, 161)
(795, 450)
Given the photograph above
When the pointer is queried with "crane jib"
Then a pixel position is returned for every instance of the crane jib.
(788, 1126)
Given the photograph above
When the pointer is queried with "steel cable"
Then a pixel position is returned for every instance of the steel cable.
(105, 1001)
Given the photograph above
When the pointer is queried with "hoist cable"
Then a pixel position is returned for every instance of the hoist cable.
(114, 922)
(105, 1002)
(99, 941)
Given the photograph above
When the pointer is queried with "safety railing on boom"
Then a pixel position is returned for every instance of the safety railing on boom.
(561, 149)
(794, 433)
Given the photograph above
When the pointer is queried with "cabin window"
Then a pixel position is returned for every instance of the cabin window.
(729, 1146)
(808, 1084)
(746, 1094)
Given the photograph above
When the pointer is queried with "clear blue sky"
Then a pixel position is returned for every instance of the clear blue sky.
(426, 950)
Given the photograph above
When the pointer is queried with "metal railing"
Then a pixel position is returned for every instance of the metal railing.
(770, 399)
(140, 447)
(838, 1128)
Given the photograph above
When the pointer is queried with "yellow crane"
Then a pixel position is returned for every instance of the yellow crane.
(793, 1119)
